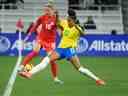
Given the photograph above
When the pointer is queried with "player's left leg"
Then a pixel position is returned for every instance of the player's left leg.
(54, 72)
(76, 63)
(49, 47)
(54, 69)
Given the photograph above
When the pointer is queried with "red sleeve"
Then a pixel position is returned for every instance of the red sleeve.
(30, 27)
(35, 25)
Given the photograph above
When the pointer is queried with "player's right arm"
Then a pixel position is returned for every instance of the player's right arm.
(61, 25)
(35, 25)
(33, 28)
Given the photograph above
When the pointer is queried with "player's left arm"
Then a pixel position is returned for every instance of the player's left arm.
(35, 25)
(33, 28)
(60, 27)
(82, 32)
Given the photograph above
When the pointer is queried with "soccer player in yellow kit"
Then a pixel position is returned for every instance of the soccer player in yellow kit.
(66, 49)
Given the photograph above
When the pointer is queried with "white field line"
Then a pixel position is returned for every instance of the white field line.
(12, 79)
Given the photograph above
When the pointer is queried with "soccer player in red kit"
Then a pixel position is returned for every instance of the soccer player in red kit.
(46, 29)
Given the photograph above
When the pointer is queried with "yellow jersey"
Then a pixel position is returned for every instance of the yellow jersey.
(70, 36)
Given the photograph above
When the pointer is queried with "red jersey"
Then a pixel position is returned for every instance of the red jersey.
(48, 28)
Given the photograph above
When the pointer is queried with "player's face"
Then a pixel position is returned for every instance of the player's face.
(70, 22)
(48, 11)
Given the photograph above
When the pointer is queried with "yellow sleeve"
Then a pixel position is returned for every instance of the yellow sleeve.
(63, 23)
(81, 31)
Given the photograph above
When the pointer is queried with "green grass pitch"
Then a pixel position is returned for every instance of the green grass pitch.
(113, 70)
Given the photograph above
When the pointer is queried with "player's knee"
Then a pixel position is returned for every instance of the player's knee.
(52, 62)
(78, 67)
(53, 57)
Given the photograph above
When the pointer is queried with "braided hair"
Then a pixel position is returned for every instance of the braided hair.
(72, 14)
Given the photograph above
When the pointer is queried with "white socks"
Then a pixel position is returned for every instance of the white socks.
(46, 61)
(85, 71)
(41, 66)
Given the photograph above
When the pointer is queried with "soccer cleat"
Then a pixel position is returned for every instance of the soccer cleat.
(25, 74)
(58, 81)
(20, 68)
(100, 82)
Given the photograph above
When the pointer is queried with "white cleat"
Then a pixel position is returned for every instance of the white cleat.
(58, 81)
(20, 68)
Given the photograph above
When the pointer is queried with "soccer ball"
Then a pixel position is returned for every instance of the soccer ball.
(28, 67)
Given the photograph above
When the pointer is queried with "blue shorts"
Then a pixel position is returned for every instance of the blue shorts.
(66, 53)
(42, 52)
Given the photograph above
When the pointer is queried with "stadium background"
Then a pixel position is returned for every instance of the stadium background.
(108, 57)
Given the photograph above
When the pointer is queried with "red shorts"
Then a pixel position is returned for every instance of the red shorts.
(47, 45)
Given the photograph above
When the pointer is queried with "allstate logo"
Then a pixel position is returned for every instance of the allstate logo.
(82, 45)
(4, 44)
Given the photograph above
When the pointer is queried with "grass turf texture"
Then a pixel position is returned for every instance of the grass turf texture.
(113, 70)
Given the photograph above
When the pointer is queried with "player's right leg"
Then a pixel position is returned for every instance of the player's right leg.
(76, 63)
(44, 63)
(30, 56)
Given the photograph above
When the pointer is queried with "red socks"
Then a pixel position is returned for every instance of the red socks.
(29, 57)
(54, 68)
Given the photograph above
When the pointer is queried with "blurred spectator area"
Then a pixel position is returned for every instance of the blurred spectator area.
(94, 4)
(90, 23)
(11, 4)
(105, 19)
